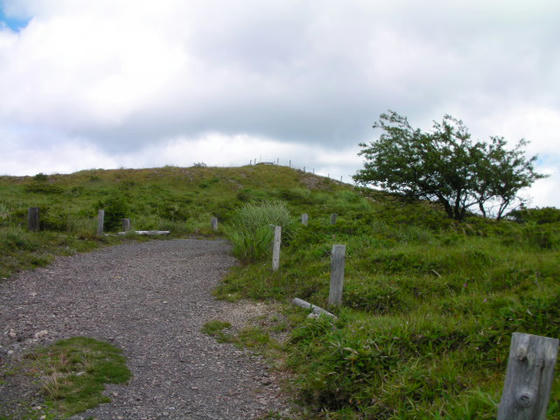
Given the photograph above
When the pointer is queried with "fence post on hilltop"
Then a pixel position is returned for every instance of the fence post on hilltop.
(214, 223)
(304, 219)
(529, 375)
(337, 274)
(276, 248)
(290, 163)
(33, 219)
(333, 218)
(100, 222)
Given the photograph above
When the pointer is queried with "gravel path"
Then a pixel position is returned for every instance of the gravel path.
(150, 299)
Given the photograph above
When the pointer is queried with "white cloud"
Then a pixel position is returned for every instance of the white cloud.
(284, 77)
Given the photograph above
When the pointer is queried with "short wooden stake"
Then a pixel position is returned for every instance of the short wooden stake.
(529, 375)
(214, 223)
(126, 225)
(304, 219)
(333, 218)
(276, 248)
(33, 219)
(100, 221)
(337, 274)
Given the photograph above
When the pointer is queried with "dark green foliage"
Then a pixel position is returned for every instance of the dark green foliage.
(40, 177)
(116, 209)
(43, 188)
(446, 166)
(539, 215)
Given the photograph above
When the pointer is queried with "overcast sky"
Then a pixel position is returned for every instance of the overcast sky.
(107, 84)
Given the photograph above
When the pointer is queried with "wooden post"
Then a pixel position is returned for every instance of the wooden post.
(304, 219)
(529, 375)
(337, 274)
(125, 224)
(33, 219)
(214, 223)
(276, 248)
(333, 218)
(100, 221)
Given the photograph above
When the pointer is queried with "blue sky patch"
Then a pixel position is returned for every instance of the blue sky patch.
(14, 23)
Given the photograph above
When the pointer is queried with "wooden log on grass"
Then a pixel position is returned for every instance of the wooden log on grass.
(276, 248)
(314, 309)
(337, 274)
(529, 375)
(33, 219)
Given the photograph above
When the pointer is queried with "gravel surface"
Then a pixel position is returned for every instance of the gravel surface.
(150, 299)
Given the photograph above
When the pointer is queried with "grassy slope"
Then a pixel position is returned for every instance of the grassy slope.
(179, 199)
(429, 305)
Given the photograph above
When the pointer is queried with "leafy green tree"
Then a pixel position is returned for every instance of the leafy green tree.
(445, 165)
(502, 173)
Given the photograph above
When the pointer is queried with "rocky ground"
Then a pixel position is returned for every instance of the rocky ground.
(150, 299)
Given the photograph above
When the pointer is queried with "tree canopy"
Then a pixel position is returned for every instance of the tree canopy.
(447, 166)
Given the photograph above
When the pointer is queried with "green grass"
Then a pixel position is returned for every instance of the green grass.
(428, 310)
(178, 199)
(72, 374)
(429, 304)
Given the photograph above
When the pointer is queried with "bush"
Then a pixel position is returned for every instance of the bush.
(250, 230)
(40, 187)
(116, 209)
(539, 215)
(41, 177)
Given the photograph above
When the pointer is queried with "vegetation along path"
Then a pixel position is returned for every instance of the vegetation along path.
(151, 300)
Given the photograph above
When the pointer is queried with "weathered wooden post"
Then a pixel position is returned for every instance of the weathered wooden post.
(100, 221)
(337, 274)
(276, 248)
(33, 219)
(214, 223)
(126, 224)
(333, 218)
(304, 219)
(529, 375)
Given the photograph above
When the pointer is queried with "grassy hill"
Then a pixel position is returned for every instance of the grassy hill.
(429, 304)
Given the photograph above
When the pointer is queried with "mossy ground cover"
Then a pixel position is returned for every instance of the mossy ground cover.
(429, 304)
(71, 375)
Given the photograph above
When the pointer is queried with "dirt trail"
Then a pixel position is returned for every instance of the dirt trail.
(150, 299)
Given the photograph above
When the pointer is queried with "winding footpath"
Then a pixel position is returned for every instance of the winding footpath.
(151, 300)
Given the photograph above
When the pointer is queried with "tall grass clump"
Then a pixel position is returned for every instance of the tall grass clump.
(251, 229)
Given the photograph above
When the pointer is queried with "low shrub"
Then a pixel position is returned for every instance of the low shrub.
(116, 209)
(251, 229)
